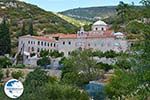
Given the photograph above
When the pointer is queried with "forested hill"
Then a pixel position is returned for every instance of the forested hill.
(17, 12)
(91, 13)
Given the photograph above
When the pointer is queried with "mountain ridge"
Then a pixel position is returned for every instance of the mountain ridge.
(91, 13)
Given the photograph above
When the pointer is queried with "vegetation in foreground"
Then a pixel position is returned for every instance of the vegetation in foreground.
(130, 81)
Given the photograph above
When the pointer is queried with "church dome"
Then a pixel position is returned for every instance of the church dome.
(99, 23)
(118, 33)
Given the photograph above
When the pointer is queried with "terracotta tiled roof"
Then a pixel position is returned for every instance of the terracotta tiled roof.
(108, 33)
(41, 38)
(65, 36)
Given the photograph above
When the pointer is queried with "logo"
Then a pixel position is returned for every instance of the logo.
(13, 88)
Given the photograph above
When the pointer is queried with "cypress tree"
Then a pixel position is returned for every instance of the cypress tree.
(5, 41)
(23, 31)
(30, 30)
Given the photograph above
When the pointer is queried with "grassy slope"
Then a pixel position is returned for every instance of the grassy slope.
(74, 21)
(91, 12)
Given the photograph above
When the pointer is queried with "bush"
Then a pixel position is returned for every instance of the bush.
(105, 67)
(62, 60)
(110, 54)
(17, 74)
(19, 66)
(5, 62)
(44, 61)
(98, 53)
(44, 53)
(56, 54)
(1, 75)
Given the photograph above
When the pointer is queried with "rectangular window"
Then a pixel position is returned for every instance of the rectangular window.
(45, 44)
(63, 43)
(69, 43)
(69, 53)
(38, 42)
(41, 43)
(38, 50)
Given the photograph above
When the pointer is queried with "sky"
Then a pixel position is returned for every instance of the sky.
(62, 5)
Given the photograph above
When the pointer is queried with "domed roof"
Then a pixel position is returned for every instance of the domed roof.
(118, 33)
(100, 23)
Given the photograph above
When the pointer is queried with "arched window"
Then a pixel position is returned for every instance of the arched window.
(41, 43)
(63, 43)
(69, 43)
(96, 28)
(38, 42)
(102, 29)
(32, 48)
(45, 44)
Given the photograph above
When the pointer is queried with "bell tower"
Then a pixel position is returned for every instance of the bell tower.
(81, 33)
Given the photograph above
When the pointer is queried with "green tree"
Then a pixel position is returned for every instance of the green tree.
(123, 11)
(39, 86)
(30, 30)
(5, 62)
(62, 60)
(5, 40)
(145, 3)
(62, 92)
(44, 61)
(34, 81)
(146, 10)
(82, 68)
(1, 75)
(105, 67)
(110, 54)
(23, 30)
(56, 54)
(133, 80)
(44, 53)
(17, 74)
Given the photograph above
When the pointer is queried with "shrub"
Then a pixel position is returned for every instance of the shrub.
(110, 54)
(19, 66)
(62, 60)
(17, 74)
(1, 75)
(44, 61)
(56, 54)
(104, 66)
(98, 53)
(5, 62)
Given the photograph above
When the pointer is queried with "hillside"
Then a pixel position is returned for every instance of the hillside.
(91, 13)
(43, 22)
(20, 11)
(76, 22)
